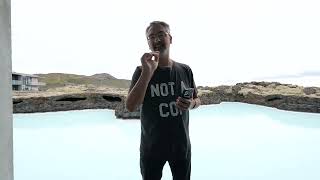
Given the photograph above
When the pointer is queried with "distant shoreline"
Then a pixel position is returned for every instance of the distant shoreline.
(305, 81)
(271, 94)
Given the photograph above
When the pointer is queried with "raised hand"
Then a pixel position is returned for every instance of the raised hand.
(150, 62)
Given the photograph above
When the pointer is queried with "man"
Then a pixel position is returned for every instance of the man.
(166, 91)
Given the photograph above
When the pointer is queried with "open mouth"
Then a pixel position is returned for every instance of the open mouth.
(158, 47)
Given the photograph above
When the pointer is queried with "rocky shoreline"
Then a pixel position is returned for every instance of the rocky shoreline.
(66, 102)
(271, 94)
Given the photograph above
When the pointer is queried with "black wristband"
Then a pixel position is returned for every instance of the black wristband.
(195, 103)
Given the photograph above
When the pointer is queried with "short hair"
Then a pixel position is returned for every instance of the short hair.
(161, 23)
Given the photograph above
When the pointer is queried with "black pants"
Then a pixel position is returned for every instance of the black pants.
(151, 168)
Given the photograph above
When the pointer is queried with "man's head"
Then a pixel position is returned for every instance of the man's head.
(158, 36)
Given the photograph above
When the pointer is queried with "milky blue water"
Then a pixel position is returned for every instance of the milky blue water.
(229, 141)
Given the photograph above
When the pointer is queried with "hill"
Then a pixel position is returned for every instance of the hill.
(56, 80)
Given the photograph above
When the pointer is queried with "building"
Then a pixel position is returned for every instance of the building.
(25, 82)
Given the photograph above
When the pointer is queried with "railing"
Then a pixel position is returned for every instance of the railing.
(37, 84)
(16, 82)
(20, 82)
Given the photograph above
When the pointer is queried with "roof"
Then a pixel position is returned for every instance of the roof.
(22, 74)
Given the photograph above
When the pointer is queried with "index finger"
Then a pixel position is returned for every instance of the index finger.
(156, 55)
(183, 100)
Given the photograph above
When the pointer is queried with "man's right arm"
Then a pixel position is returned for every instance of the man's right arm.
(137, 92)
(139, 87)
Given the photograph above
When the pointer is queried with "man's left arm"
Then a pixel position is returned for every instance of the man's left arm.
(196, 103)
(192, 103)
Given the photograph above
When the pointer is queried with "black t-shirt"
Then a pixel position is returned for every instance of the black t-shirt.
(165, 128)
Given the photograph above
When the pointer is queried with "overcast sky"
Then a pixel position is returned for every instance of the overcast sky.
(223, 41)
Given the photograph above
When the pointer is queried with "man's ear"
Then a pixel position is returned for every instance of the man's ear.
(170, 39)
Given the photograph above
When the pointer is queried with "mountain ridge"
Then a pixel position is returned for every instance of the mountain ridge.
(54, 80)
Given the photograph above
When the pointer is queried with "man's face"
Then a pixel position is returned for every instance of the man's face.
(159, 38)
